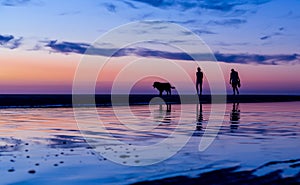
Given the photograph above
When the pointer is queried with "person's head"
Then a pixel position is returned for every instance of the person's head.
(232, 70)
(198, 69)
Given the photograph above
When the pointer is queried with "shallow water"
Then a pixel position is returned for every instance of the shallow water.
(48, 142)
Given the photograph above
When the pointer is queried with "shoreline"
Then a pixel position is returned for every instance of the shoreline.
(63, 100)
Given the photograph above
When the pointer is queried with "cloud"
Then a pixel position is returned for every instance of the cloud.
(185, 5)
(218, 5)
(265, 37)
(202, 31)
(229, 5)
(82, 48)
(183, 22)
(129, 4)
(259, 59)
(241, 58)
(279, 32)
(10, 41)
(14, 2)
(228, 22)
(199, 32)
(110, 7)
(223, 6)
(67, 47)
(36, 47)
(226, 44)
(69, 13)
(5, 39)
(155, 3)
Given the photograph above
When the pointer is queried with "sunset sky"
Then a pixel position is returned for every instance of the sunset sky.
(43, 41)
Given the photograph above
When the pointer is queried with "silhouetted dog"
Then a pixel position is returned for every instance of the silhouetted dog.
(161, 87)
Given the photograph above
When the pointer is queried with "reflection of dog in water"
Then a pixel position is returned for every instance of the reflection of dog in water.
(161, 87)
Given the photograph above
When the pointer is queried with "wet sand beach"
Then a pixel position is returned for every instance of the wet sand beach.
(257, 143)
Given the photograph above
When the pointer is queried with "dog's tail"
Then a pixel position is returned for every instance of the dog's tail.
(172, 87)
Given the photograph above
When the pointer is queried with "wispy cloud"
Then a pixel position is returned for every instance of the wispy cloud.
(185, 5)
(259, 59)
(265, 37)
(277, 33)
(221, 13)
(241, 58)
(203, 31)
(10, 41)
(219, 5)
(130, 5)
(229, 5)
(199, 32)
(227, 22)
(14, 2)
(67, 47)
(223, 6)
(228, 44)
(156, 3)
(69, 13)
(5, 39)
(84, 48)
(110, 7)
(184, 22)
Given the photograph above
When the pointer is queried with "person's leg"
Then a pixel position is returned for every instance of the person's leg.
(197, 88)
(237, 90)
(233, 89)
(201, 88)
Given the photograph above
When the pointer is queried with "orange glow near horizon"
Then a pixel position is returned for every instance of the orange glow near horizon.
(27, 70)
(54, 73)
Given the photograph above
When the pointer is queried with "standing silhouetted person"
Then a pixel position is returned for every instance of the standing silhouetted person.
(199, 80)
(235, 81)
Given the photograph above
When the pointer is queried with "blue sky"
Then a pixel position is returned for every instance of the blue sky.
(242, 32)
(257, 27)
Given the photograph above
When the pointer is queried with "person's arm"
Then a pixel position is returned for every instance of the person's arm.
(230, 78)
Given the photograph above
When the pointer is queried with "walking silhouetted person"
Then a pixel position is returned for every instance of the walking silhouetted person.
(235, 81)
(199, 80)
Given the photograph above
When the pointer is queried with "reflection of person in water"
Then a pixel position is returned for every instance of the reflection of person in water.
(164, 115)
(235, 116)
(235, 81)
(199, 117)
(199, 80)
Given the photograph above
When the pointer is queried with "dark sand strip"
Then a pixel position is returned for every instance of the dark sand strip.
(31, 101)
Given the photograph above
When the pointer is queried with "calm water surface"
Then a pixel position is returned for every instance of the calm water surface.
(48, 144)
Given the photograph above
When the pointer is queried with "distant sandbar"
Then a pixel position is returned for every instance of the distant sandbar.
(31, 101)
